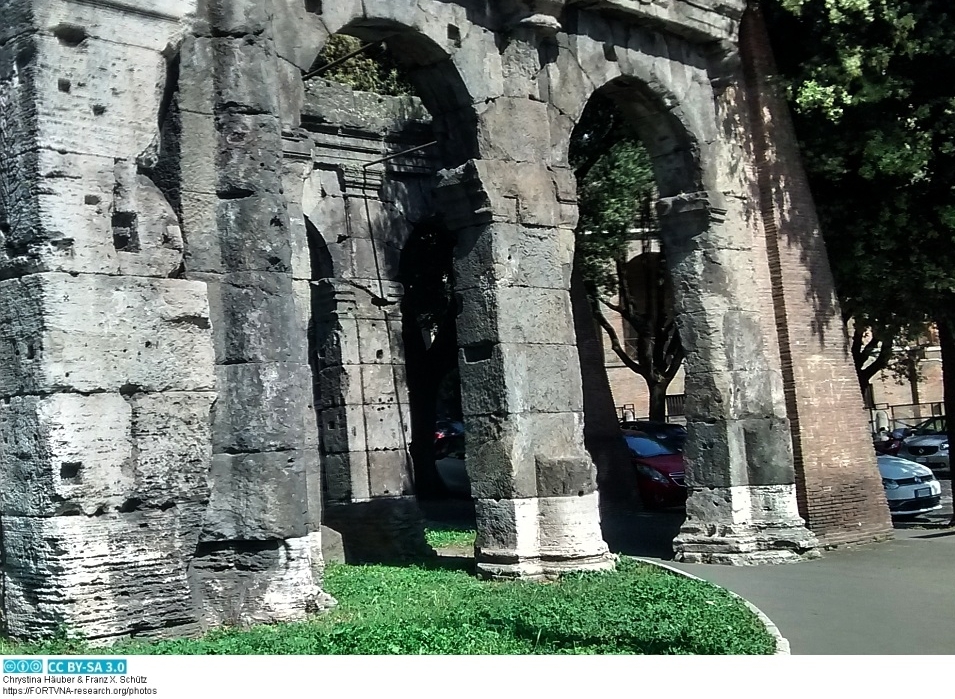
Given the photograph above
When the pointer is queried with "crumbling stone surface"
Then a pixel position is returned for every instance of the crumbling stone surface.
(201, 354)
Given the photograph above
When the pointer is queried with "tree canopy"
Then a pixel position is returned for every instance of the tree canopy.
(872, 85)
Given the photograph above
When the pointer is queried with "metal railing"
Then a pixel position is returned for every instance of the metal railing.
(894, 417)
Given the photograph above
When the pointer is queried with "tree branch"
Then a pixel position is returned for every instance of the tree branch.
(615, 345)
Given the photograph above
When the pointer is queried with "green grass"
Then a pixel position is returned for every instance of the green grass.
(637, 609)
(446, 537)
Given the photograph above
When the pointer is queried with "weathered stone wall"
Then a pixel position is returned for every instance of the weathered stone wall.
(107, 379)
(198, 306)
(355, 216)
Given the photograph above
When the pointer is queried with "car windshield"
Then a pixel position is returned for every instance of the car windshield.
(934, 426)
(645, 447)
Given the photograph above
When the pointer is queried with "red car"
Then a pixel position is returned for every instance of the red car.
(660, 471)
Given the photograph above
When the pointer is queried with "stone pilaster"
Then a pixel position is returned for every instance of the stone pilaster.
(533, 481)
(364, 420)
(255, 557)
(742, 504)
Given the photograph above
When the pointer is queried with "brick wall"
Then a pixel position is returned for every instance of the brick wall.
(839, 487)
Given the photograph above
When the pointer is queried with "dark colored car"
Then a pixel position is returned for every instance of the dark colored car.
(887, 445)
(660, 471)
(448, 428)
(668, 433)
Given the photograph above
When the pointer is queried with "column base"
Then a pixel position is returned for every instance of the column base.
(743, 545)
(505, 568)
(540, 538)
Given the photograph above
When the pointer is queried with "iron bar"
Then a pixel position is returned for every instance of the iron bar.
(338, 61)
(399, 154)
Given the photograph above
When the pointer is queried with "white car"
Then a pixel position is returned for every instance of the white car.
(910, 488)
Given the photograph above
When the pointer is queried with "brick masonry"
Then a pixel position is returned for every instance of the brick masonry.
(838, 484)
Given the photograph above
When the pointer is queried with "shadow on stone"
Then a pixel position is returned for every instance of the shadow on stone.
(647, 534)
(385, 530)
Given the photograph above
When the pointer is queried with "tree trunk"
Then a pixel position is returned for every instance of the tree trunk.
(946, 340)
(615, 479)
(658, 401)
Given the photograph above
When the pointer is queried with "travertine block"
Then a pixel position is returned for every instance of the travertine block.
(261, 407)
(107, 576)
(93, 333)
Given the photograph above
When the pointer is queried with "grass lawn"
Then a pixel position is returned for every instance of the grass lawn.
(637, 609)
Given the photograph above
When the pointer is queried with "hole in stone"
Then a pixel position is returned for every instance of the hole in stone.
(63, 85)
(91, 199)
(31, 351)
(99, 110)
(130, 505)
(70, 471)
(125, 232)
(130, 389)
(148, 344)
(71, 35)
(610, 52)
(331, 425)
(478, 353)
(167, 506)
(314, 6)
(580, 493)
(454, 34)
(379, 354)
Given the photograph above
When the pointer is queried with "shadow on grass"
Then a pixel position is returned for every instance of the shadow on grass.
(627, 529)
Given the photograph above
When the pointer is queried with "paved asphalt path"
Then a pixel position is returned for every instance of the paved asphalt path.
(895, 597)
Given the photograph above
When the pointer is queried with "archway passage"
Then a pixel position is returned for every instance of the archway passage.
(366, 190)
(739, 470)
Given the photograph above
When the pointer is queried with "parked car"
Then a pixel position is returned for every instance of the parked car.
(447, 428)
(660, 470)
(668, 433)
(449, 461)
(910, 488)
(928, 444)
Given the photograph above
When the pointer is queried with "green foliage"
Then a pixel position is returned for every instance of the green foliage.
(615, 184)
(373, 70)
(449, 537)
(872, 83)
(637, 609)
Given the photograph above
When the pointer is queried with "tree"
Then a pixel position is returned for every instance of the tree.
(615, 189)
(872, 86)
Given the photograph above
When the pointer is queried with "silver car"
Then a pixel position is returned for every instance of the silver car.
(928, 444)
(910, 489)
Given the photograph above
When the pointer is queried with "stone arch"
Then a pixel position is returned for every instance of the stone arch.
(362, 204)
(739, 454)
(232, 505)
